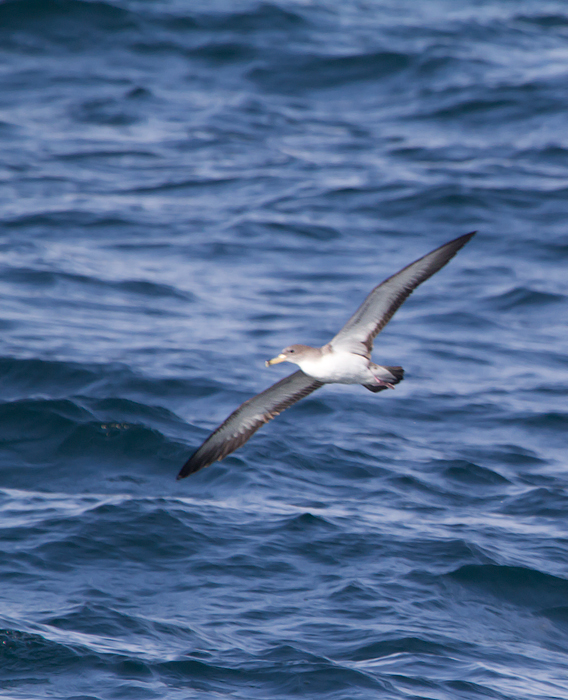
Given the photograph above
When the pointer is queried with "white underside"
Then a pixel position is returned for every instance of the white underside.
(339, 367)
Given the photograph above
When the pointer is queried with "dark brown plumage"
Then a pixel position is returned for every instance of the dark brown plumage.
(248, 418)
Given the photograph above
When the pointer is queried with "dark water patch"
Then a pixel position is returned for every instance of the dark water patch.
(422, 490)
(108, 408)
(318, 676)
(305, 523)
(64, 222)
(443, 203)
(520, 297)
(67, 23)
(109, 111)
(433, 557)
(457, 318)
(310, 231)
(106, 437)
(543, 502)
(505, 103)
(121, 534)
(261, 18)
(47, 379)
(25, 653)
(35, 278)
(265, 17)
(7, 325)
(313, 407)
(246, 569)
(151, 289)
(550, 153)
(8, 129)
(228, 52)
(514, 584)
(138, 93)
(50, 278)
(47, 420)
(511, 455)
(176, 390)
(98, 620)
(111, 444)
(557, 615)
(398, 645)
(158, 48)
(451, 409)
(353, 595)
(546, 20)
(120, 154)
(472, 474)
(21, 378)
(548, 421)
(459, 488)
(468, 689)
(293, 75)
(454, 153)
(434, 71)
(182, 185)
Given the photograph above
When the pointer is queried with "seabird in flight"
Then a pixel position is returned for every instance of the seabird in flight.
(346, 359)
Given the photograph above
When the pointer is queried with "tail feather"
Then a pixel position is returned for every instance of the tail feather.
(397, 375)
(374, 387)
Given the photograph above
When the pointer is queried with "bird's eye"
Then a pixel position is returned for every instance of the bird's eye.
(291, 351)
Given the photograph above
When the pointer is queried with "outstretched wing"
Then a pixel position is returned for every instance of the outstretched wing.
(376, 311)
(248, 418)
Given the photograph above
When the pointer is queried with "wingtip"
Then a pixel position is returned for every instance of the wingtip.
(194, 464)
(457, 243)
(465, 237)
(186, 470)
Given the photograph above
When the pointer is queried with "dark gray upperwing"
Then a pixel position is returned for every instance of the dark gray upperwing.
(379, 307)
(248, 418)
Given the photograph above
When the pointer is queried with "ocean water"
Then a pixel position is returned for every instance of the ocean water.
(186, 188)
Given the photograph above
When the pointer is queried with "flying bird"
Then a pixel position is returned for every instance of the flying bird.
(346, 359)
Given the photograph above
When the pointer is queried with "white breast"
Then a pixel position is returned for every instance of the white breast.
(339, 367)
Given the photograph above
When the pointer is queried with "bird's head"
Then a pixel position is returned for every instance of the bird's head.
(290, 354)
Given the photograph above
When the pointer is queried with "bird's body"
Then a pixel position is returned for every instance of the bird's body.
(332, 366)
(346, 359)
(337, 367)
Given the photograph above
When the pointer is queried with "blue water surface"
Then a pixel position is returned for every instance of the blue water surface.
(186, 188)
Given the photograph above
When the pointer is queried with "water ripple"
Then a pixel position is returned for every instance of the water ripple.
(186, 190)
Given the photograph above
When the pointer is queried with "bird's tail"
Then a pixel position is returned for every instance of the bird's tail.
(397, 373)
(390, 377)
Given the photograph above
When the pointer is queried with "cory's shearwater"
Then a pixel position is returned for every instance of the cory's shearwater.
(346, 359)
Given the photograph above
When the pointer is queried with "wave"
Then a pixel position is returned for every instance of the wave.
(517, 585)
(322, 72)
(73, 24)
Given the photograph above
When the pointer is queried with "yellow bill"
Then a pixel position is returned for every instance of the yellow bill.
(275, 360)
